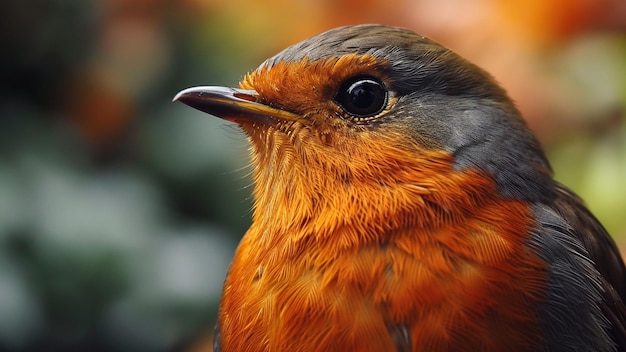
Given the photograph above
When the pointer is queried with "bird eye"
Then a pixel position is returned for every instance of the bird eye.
(362, 96)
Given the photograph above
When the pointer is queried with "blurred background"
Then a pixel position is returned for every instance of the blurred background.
(120, 211)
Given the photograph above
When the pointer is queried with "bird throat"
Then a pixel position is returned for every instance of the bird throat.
(347, 244)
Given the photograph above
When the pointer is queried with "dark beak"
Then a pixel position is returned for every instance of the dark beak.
(236, 105)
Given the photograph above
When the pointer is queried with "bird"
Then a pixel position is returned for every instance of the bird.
(401, 203)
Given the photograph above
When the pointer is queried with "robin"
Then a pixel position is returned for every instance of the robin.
(401, 204)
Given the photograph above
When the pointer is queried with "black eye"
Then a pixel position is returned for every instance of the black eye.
(362, 96)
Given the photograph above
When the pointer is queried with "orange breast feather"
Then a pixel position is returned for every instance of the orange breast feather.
(450, 267)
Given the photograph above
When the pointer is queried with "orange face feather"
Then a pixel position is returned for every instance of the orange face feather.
(378, 232)
(333, 258)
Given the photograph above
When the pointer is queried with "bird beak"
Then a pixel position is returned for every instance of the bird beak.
(236, 105)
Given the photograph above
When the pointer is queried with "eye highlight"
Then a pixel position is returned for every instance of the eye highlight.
(362, 97)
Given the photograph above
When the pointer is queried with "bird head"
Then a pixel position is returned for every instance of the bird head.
(377, 111)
